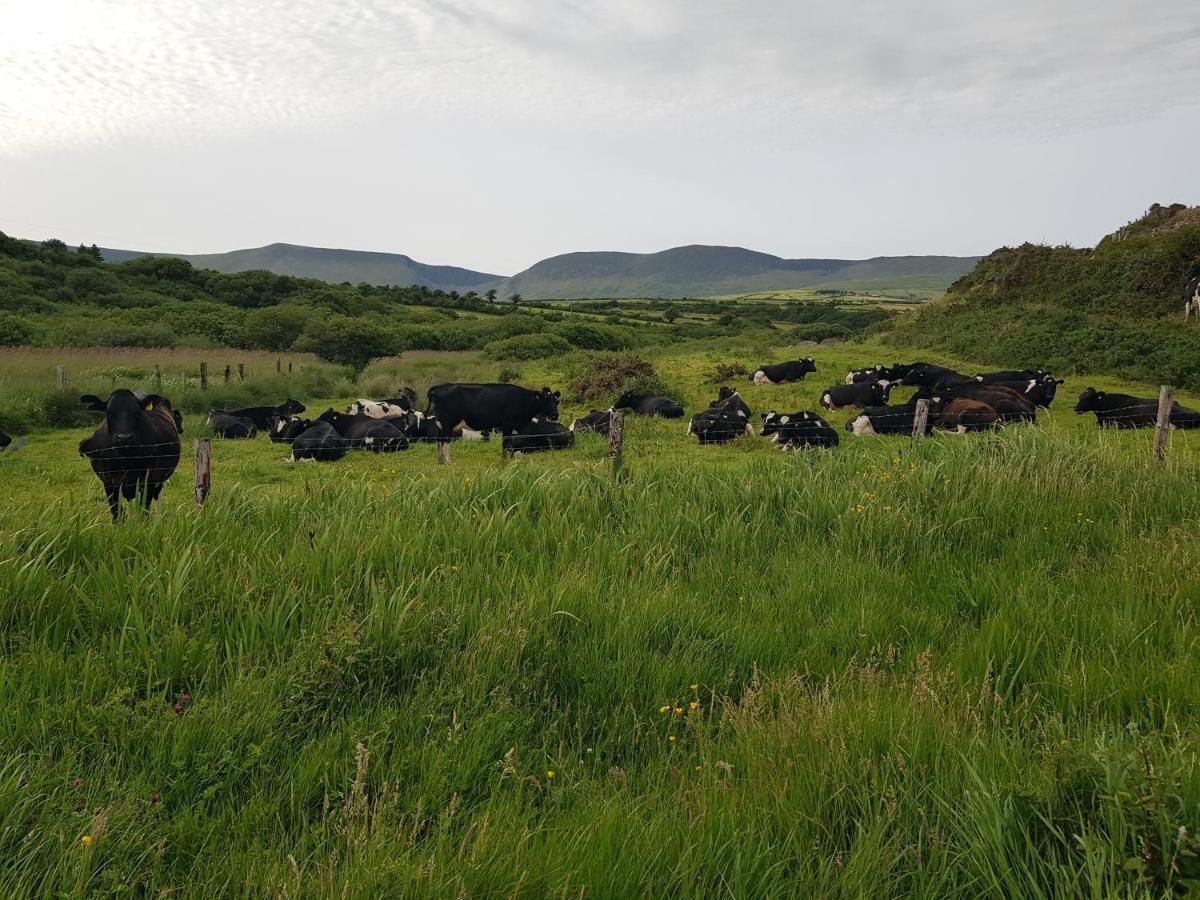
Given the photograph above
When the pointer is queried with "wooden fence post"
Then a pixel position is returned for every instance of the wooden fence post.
(228, 374)
(241, 371)
(204, 376)
(60, 373)
(278, 366)
(920, 419)
(158, 379)
(203, 469)
(1162, 427)
(443, 452)
(289, 367)
(616, 438)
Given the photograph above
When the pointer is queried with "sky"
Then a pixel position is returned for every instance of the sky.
(493, 133)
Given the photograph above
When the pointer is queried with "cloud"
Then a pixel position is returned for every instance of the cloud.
(82, 72)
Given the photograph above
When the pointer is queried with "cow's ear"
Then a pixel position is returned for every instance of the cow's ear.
(1059, 381)
(557, 394)
(92, 402)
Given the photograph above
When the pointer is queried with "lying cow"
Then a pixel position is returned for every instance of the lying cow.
(731, 401)
(1191, 299)
(377, 409)
(961, 414)
(135, 449)
(5, 440)
(539, 435)
(861, 393)
(597, 420)
(261, 416)
(227, 426)
(285, 430)
(1124, 411)
(318, 443)
(366, 433)
(717, 425)
(885, 420)
(489, 407)
(877, 372)
(1039, 391)
(649, 405)
(799, 429)
(784, 372)
(1008, 376)
(920, 373)
(1011, 405)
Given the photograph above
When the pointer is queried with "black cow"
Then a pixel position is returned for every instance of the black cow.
(366, 432)
(876, 372)
(861, 393)
(135, 449)
(1191, 299)
(489, 407)
(319, 443)
(1009, 375)
(228, 426)
(731, 401)
(1124, 411)
(539, 435)
(781, 373)
(798, 429)
(261, 416)
(597, 420)
(1039, 391)
(716, 425)
(284, 430)
(885, 420)
(5, 440)
(1011, 405)
(919, 373)
(649, 405)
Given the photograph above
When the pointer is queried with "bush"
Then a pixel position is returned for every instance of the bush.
(509, 375)
(527, 346)
(592, 337)
(346, 341)
(607, 377)
(13, 331)
(274, 328)
(727, 372)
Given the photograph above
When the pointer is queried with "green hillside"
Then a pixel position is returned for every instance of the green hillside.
(1116, 308)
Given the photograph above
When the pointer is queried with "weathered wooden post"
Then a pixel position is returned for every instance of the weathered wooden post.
(289, 367)
(241, 371)
(60, 373)
(920, 419)
(203, 469)
(228, 374)
(616, 438)
(158, 379)
(278, 366)
(443, 452)
(1162, 426)
(204, 376)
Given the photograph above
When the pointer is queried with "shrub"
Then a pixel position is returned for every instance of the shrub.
(727, 372)
(592, 337)
(527, 346)
(13, 331)
(608, 376)
(509, 375)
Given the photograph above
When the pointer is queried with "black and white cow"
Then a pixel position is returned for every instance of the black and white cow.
(490, 407)
(5, 440)
(1124, 411)
(261, 416)
(782, 373)
(861, 393)
(597, 420)
(284, 430)
(885, 420)
(366, 433)
(1191, 299)
(731, 401)
(318, 443)
(1009, 375)
(717, 425)
(1013, 406)
(799, 429)
(919, 373)
(1039, 391)
(227, 426)
(135, 449)
(539, 434)
(649, 405)
(877, 372)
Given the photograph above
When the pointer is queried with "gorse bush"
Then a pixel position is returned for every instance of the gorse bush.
(527, 346)
(605, 376)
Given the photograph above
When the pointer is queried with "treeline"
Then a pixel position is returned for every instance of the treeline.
(55, 295)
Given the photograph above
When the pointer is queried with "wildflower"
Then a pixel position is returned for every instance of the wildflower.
(178, 709)
(466, 479)
(694, 687)
(678, 710)
(695, 704)
(550, 774)
(77, 782)
(86, 840)
(663, 709)
(671, 738)
(454, 568)
(698, 768)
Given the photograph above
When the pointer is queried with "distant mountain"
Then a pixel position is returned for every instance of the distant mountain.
(331, 265)
(705, 271)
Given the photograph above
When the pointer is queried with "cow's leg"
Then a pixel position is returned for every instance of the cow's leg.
(113, 492)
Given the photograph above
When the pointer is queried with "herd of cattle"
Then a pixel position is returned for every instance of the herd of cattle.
(136, 446)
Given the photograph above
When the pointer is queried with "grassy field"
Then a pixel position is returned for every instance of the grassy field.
(965, 667)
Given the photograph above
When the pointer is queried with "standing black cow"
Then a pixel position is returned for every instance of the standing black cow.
(366, 432)
(597, 420)
(261, 416)
(539, 435)
(135, 449)
(227, 426)
(861, 393)
(489, 407)
(1191, 299)
(1124, 411)
(319, 443)
(649, 405)
(798, 429)
(781, 373)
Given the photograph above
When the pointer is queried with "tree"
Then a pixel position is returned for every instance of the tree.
(670, 314)
(347, 341)
(274, 328)
(515, 300)
(491, 295)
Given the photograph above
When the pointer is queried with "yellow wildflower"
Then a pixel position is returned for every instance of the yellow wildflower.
(694, 687)
(549, 774)
(678, 710)
(664, 709)
(87, 840)
(695, 704)
(671, 738)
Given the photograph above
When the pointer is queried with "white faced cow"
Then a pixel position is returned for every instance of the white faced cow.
(1191, 299)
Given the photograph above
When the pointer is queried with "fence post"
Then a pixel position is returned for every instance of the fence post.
(241, 371)
(443, 452)
(204, 376)
(616, 437)
(203, 469)
(158, 379)
(920, 419)
(278, 366)
(228, 374)
(1162, 427)
(289, 367)
(60, 373)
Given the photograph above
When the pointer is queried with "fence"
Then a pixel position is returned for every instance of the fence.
(62, 379)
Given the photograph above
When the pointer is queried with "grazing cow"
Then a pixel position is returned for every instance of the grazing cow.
(539, 435)
(597, 420)
(1011, 405)
(731, 401)
(877, 372)
(285, 430)
(489, 407)
(261, 416)
(1124, 411)
(5, 440)
(861, 393)
(885, 420)
(798, 429)
(376, 435)
(1009, 375)
(919, 373)
(962, 415)
(782, 373)
(318, 443)
(649, 405)
(716, 425)
(1191, 299)
(228, 426)
(135, 449)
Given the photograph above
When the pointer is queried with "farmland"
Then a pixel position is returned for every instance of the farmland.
(964, 667)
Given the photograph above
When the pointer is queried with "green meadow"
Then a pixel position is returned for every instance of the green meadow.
(967, 666)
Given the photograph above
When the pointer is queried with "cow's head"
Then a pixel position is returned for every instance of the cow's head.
(548, 403)
(290, 407)
(1088, 400)
(123, 412)
(807, 365)
(879, 392)
(1050, 386)
(772, 422)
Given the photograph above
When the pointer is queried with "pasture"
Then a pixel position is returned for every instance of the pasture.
(961, 667)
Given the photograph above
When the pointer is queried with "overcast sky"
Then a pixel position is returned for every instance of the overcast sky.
(493, 133)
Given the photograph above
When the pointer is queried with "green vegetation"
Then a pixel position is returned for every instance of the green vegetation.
(960, 668)
(1116, 308)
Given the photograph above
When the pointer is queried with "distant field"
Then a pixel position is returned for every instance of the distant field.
(965, 667)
